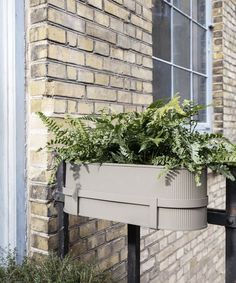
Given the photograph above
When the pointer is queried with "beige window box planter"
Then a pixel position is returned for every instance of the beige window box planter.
(133, 194)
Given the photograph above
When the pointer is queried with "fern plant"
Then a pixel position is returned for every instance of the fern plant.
(163, 134)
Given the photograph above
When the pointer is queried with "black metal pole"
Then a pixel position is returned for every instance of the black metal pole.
(230, 229)
(63, 218)
(133, 254)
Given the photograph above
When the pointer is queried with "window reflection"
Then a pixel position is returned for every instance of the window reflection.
(181, 44)
(199, 11)
(183, 5)
(162, 30)
(162, 80)
(182, 83)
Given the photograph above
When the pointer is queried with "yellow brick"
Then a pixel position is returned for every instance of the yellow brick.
(37, 87)
(142, 99)
(101, 79)
(109, 262)
(71, 73)
(44, 225)
(36, 2)
(39, 52)
(117, 24)
(116, 10)
(101, 93)
(117, 53)
(97, 31)
(115, 108)
(218, 56)
(69, 21)
(124, 97)
(147, 62)
(95, 3)
(38, 174)
(71, 6)
(147, 87)
(47, 105)
(141, 73)
(117, 81)
(139, 86)
(137, 21)
(42, 209)
(38, 70)
(85, 108)
(36, 123)
(85, 43)
(60, 106)
(101, 18)
(74, 234)
(129, 56)
(84, 11)
(96, 240)
(66, 55)
(56, 34)
(94, 61)
(35, 105)
(58, 3)
(71, 39)
(44, 242)
(129, 108)
(78, 248)
(87, 229)
(104, 251)
(72, 105)
(38, 158)
(103, 224)
(66, 89)
(38, 33)
(38, 140)
(85, 76)
(102, 107)
(57, 70)
(101, 48)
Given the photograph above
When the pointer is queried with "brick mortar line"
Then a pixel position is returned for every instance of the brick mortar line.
(50, 5)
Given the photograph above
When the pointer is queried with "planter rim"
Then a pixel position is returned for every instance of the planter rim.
(129, 165)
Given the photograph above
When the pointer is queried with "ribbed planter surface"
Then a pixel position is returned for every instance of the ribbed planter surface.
(134, 194)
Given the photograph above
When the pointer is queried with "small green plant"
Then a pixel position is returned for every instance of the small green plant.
(163, 134)
(51, 269)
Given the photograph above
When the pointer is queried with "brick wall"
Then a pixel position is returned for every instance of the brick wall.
(83, 56)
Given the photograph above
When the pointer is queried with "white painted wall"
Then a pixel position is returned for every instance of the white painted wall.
(12, 132)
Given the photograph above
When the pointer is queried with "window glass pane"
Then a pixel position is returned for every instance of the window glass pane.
(161, 80)
(183, 5)
(182, 83)
(199, 11)
(161, 30)
(199, 94)
(181, 44)
(199, 49)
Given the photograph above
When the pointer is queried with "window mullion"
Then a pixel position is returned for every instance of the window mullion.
(191, 52)
(172, 52)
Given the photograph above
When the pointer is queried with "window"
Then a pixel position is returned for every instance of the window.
(12, 127)
(181, 56)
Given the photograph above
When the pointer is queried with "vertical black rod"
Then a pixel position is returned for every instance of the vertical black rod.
(230, 268)
(63, 218)
(133, 254)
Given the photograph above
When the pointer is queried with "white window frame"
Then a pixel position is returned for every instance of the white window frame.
(207, 126)
(12, 133)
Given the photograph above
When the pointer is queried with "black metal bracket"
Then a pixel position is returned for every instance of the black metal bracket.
(221, 218)
(216, 216)
(58, 197)
(133, 254)
(63, 218)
